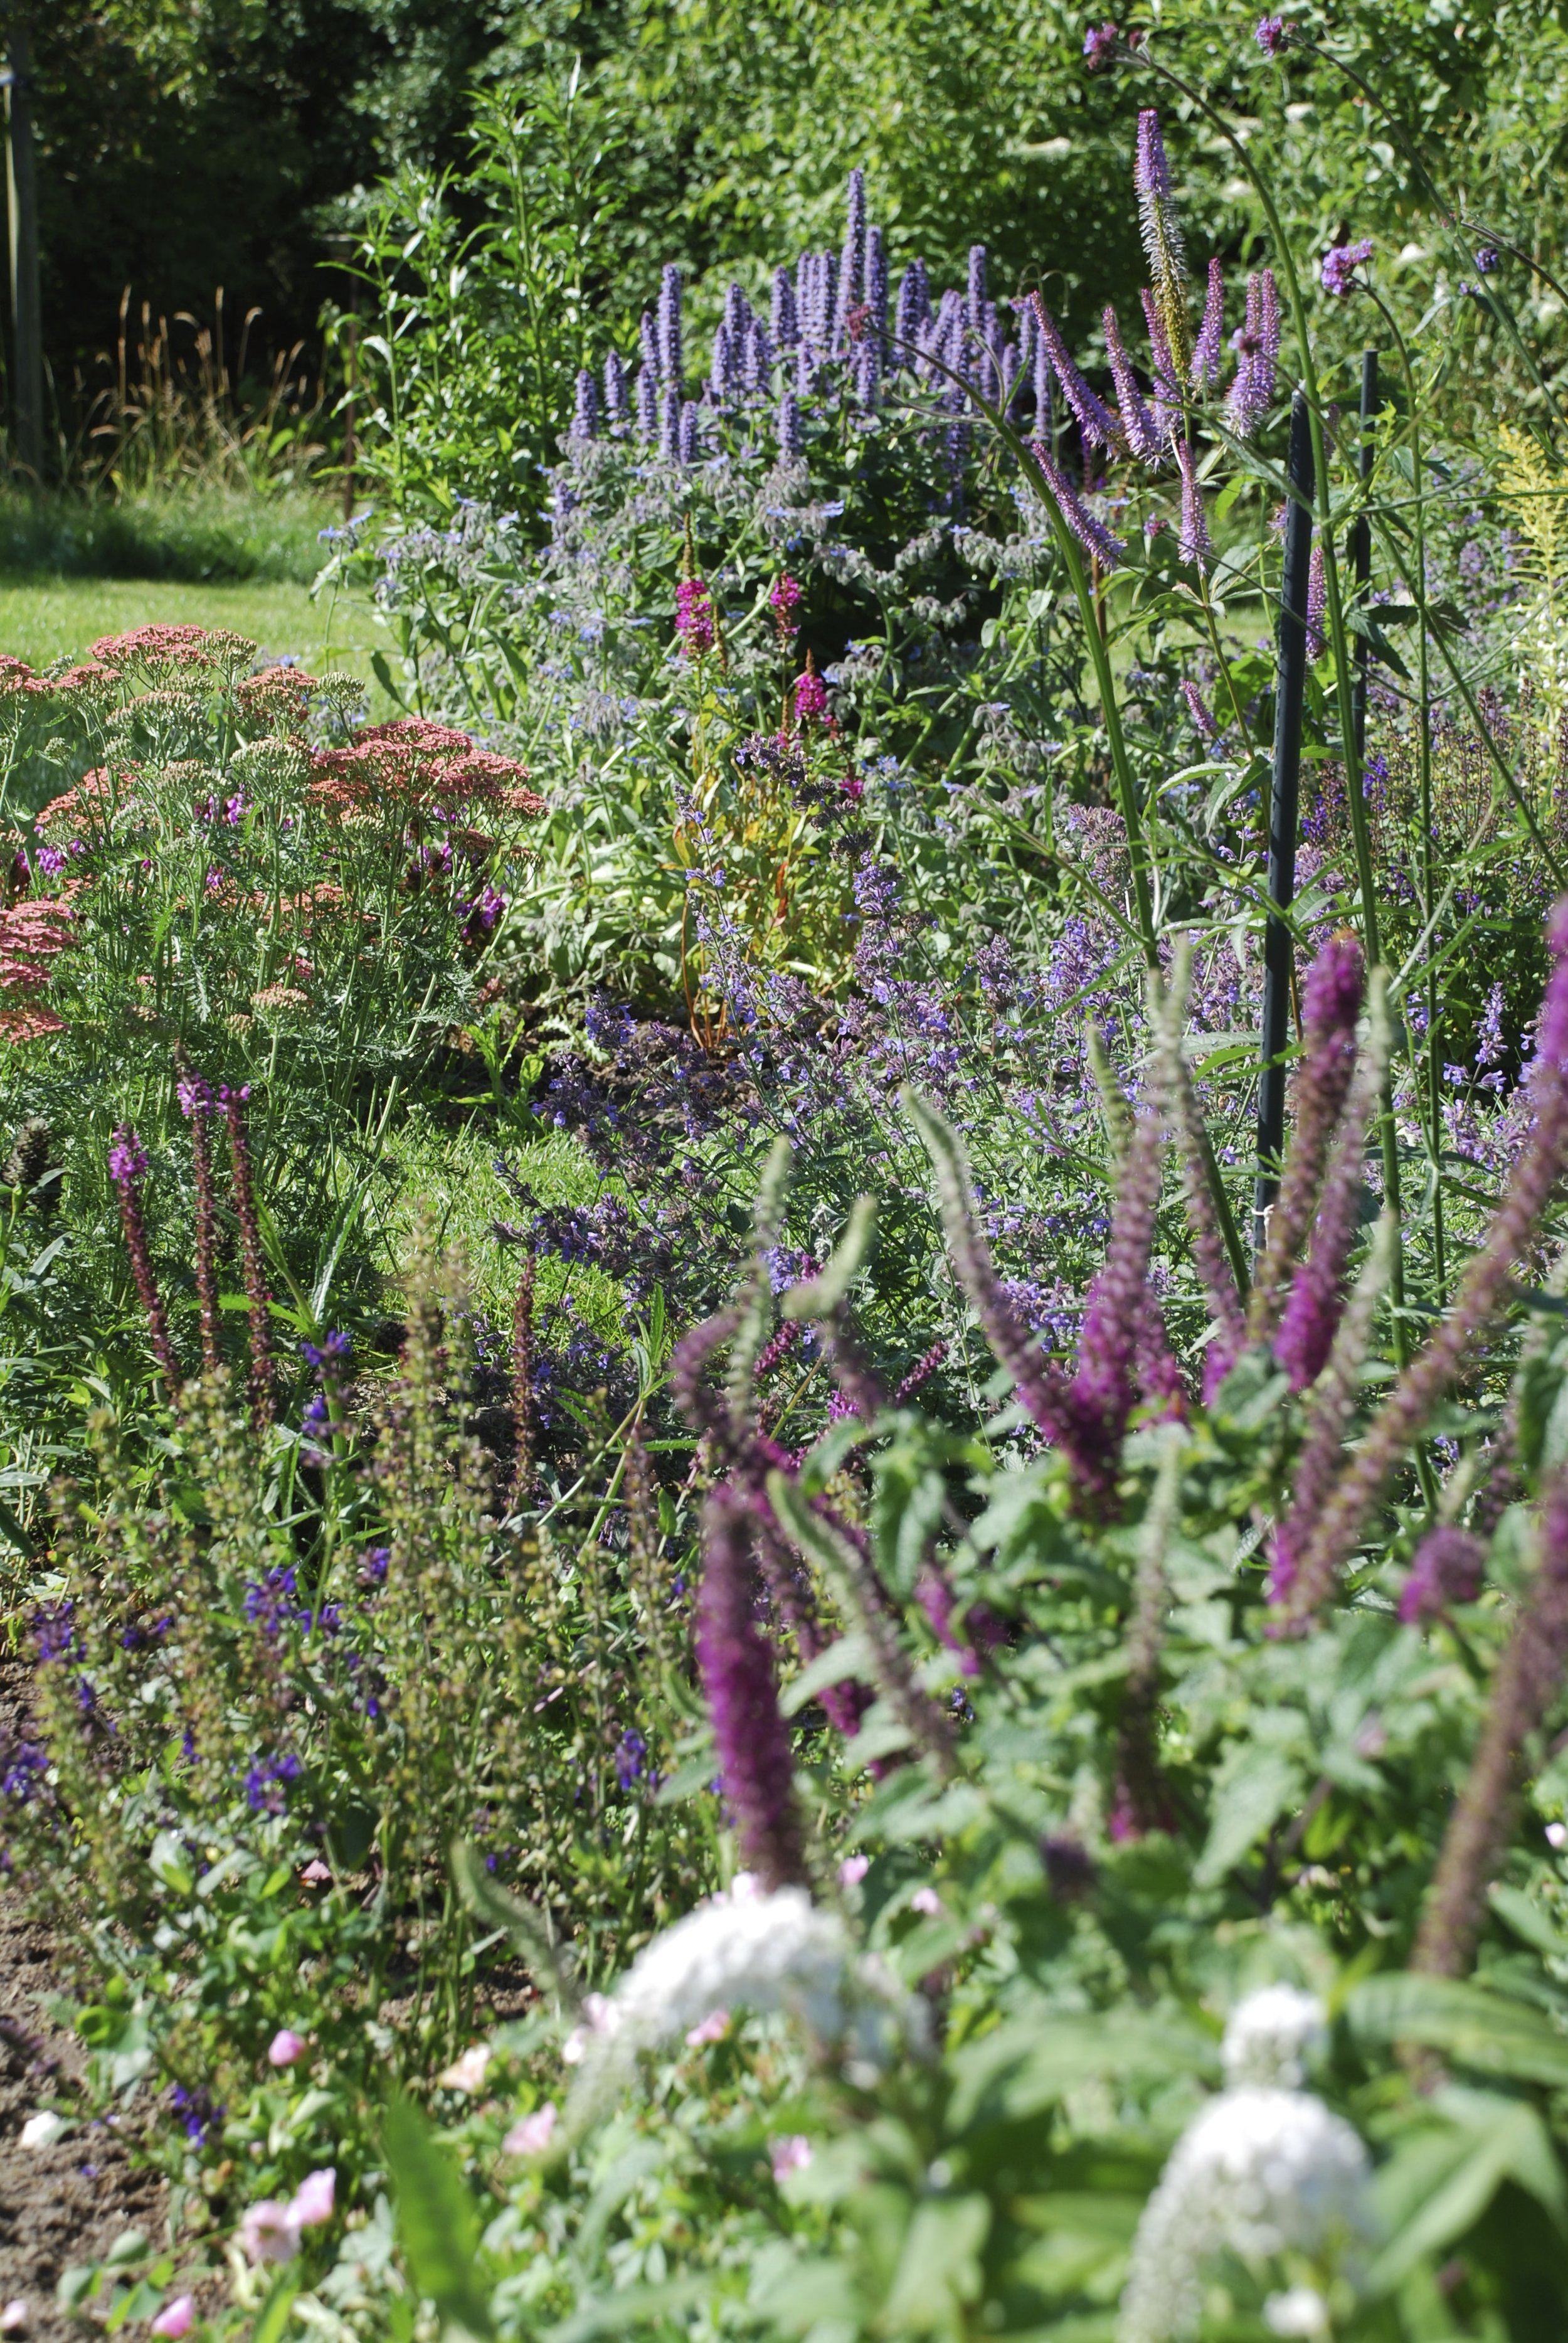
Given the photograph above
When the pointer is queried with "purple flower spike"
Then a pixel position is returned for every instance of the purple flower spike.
(1206, 349)
(1115, 1325)
(792, 438)
(127, 1168)
(1317, 1296)
(584, 413)
(1139, 426)
(1198, 709)
(1483, 1290)
(1340, 264)
(1094, 418)
(1162, 230)
(1091, 534)
(1331, 1004)
(1196, 545)
(1257, 348)
(1269, 35)
(786, 329)
(668, 330)
(736, 1664)
(1099, 45)
(1449, 1567)
(1316, 605)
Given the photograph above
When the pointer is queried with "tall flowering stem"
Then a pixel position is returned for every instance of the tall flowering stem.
(1162, 234)
(1528, 1680)
(1141, 1801)
(738, 1682)
(232, 1106)
(1333, 1403)
(1104, 1385)
(1482, 1293)
(1331, 1004)
(1316, 1297)
(197, 1105)
(127, 1168)
(523, 1384)
(1091, 534)
(1216, 1245)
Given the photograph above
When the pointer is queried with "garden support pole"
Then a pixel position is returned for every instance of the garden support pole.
(1288, 694)
(1361, 554)
(22, 209)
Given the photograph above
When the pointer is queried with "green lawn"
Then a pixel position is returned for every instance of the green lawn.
(41, 617)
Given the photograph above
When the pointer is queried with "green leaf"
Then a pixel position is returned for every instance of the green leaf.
(1437, 2184)
(274, 2314)
(438, 2224)
(527, 1927)
(851, 1655)
(939, 2268)
(1029, 2065)
(1472, 2027)
(1259, 1785)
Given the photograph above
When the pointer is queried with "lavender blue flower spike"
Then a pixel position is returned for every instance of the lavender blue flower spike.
(865, 374)
(686, 445)
(1162, 231)
(1483, 1291)
(913, 312)
(647, 404)
(584, 413)
(615, 403)
(648, 333)
(1095, 420)
(1211, 332)
(669, 423)
(756, 359)
(850, 291)
(1139, 428)
(1257, 348)
(1196, 545)
(791, 442)
(736, 313)
(720, 380)
(876, 287)
(739, 1684)
(975, 300)
(786, 328)
(1091, 534)
(671, 367)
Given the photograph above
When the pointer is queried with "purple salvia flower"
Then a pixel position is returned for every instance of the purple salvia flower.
(671, 365)
(1331, 1004)
(1316, 605)
(1257, 348)
(720, 380)
(197, 1105)
(1206, 349)
(1091, 534)
(585, 412)
(913, 310)
(1483, 1290)
(740, 1686)
(648, 335)
(232, 1106)
(756, 359)
(791, 439)
(1449, 1566)
(1139, 428)
(877, 286)
(1196, 546)
(646, 405)
(127, 1168)
(786, 326)
(1094, 418)
(1104, 1385)
(1526, 1687)
(1198, 709)
(1269, 35)
(1340, 265)
(1162, 231)
(1316, 1298)
(615, 402)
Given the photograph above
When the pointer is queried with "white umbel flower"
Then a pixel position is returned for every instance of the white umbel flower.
(748, 1951)
(1263, 2170)
(1270, 2036)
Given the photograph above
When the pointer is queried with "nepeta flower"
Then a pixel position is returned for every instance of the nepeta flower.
(1091, 534)
(1340, 264)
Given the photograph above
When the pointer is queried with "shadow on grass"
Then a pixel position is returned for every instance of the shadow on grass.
(199, 535)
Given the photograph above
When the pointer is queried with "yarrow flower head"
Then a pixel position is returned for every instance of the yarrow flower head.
(1340, 265)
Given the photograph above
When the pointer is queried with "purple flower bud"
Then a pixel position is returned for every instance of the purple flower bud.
(1091, 534)
(1095, 420)
(1449, 1567)
(1340, 266)
(1488, 259)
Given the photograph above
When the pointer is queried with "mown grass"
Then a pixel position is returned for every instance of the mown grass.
(43, 616)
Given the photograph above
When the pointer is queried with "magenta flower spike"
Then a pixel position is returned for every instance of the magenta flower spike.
(1115, 1326)
(1449, 1566)
(127, 1168)
(738, 1682)
(1331, 1004)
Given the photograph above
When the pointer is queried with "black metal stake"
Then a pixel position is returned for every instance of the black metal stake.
(1361, 553)
(1290, 692)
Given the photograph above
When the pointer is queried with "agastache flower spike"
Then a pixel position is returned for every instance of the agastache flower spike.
(195, 1100)
(1528, 1682)
(914, 310)
(752, 1740)
(670, 367)
(1094, 418)
(1198, 709)
(584, 413)
(1142, 433)
(785, 325)
(1317, 1291)
(1206, 349)
(648, 333)
(1483, 1290)
(1091, 534)
(1162, 231)
(852, 266)
(1331, 1004)
(686, 441)
(791, 439)
(1316, 605)
(232, 1106)
(127, 1168)
(877, 286)
(1196, 546)
(646, 405)
(614, 393)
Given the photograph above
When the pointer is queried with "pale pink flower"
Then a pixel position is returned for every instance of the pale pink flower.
(268, 2232)
(926, 1900)
(853, 1869)
(286, 2047)
(790, 2155)
(14, 2318)
(712, 2029)
(315, 1873)
(176, 2318)
(467, 2073)
(313, 2199)
(531, 2135)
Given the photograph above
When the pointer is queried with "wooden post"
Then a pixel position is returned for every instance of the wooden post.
(1290, 693)
(22, 208)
